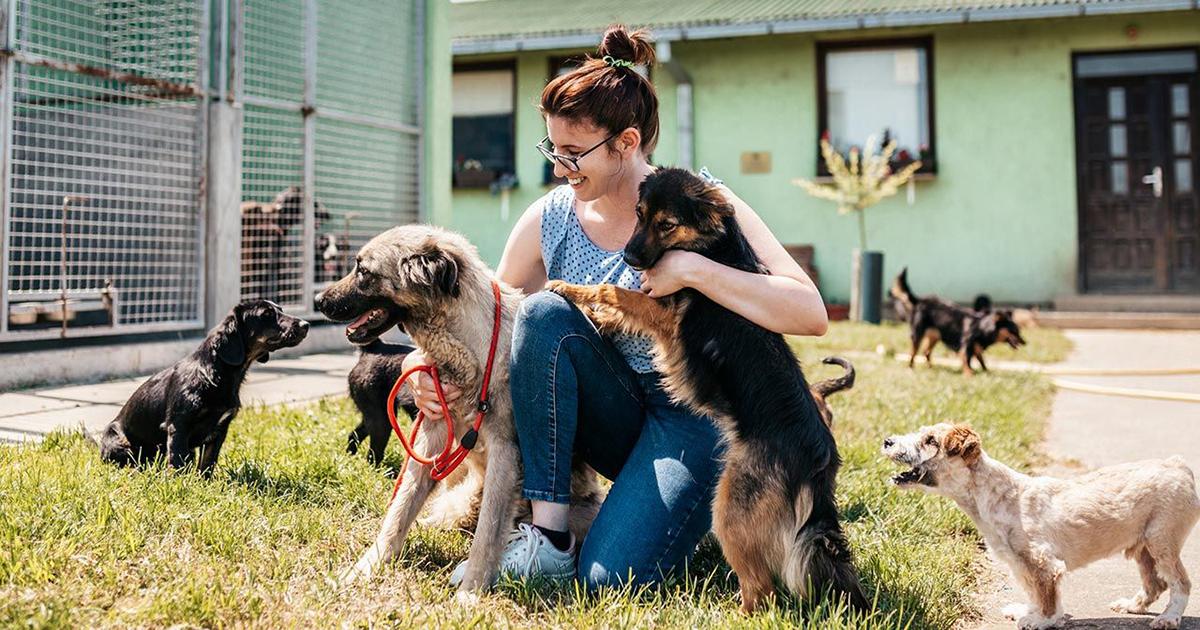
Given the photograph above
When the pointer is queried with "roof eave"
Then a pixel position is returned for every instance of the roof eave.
(587, 39)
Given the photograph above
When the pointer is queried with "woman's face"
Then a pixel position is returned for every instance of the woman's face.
(598, 170)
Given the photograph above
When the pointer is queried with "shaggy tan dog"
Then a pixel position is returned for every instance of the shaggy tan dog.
(432, 282)
(1043, 527)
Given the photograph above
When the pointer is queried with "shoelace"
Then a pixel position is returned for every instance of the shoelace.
(525, 554)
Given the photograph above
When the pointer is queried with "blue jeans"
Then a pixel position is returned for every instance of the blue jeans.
(575, 396)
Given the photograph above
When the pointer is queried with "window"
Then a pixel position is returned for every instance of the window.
(484, 129)
(882, 89)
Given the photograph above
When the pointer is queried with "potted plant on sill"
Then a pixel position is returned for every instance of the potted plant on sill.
(470, 173)
(861, 180)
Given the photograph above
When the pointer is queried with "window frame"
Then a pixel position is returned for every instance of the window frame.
(823, 48)
(484, 66)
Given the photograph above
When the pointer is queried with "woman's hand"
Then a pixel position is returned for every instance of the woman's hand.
(677, 269)
(422, 388)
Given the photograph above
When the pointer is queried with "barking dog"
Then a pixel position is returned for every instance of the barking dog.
(774, 513)
(433, 283)
(1043, 527)
(968, 333)
(190, 405)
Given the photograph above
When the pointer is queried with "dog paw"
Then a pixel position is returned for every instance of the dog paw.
(1165, 622)
(1128, 605)
(1038, 622)
(1015, 611)
(559, 287)
(350, 576)
(466, 599)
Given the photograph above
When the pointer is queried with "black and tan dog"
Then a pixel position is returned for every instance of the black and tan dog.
(190, 405)
(966, 332)
(774, 514)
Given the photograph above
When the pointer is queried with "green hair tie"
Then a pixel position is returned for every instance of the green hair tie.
(618, 63)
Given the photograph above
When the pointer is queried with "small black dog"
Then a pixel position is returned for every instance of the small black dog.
(189, 405)
(371, 380)
(967, 332)
(775, 513)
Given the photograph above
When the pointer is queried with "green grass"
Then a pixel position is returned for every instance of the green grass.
(84, 544)
(1044, 345)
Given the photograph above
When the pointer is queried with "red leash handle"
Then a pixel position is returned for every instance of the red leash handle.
(448, 460)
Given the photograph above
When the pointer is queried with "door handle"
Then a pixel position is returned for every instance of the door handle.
(1155, 178)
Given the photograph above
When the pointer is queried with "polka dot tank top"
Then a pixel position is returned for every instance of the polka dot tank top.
(570, 256)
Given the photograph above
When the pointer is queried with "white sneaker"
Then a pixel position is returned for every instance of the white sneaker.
(529, 554)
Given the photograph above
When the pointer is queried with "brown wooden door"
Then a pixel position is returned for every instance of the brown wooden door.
(1138, 206)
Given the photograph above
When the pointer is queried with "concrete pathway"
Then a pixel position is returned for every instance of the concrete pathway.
(1087, 431)
(32, 413)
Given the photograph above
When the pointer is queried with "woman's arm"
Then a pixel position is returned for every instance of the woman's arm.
(785, 302)
(521, 263)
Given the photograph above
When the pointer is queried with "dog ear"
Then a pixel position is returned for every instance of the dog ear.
(229, 344)
(433, 270)
(320, 213)
(962, 441)
(712, 197)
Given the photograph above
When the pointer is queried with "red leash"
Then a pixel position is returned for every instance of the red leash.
(444, 463)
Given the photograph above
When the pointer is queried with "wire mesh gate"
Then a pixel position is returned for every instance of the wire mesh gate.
(328, 109)
(102, 163)
(103, 127)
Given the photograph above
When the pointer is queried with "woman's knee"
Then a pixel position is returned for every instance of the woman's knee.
(542, 320)
(596, 573)
(543, 308)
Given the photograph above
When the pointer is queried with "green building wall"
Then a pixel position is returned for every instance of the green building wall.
(999, 217)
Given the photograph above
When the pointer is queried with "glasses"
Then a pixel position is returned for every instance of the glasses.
(571, 163)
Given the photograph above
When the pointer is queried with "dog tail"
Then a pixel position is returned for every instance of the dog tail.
(87, 434)
(833, 385)
(818, 559)
(902, 292)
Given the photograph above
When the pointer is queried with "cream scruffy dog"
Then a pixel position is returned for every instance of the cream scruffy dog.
(1043, 527)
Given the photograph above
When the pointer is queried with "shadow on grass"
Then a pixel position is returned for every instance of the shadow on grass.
(255, 477)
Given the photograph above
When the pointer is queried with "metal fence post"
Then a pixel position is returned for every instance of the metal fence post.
(223, 224)
(8, 40)
(310, 151)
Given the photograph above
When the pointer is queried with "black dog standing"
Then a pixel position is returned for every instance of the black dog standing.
(371, 380)
(189, 405)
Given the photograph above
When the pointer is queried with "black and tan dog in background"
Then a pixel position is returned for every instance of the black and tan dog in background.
(775, 514)
(967, 332)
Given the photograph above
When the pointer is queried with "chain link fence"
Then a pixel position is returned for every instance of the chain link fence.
(103, 151)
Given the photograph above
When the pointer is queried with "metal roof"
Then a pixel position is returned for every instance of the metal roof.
(482, 26)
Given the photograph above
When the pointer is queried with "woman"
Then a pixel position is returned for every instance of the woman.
(577, 394)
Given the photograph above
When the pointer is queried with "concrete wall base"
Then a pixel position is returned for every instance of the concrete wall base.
(99, 363)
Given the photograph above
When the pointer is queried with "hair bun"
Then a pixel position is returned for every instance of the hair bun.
(634, 47)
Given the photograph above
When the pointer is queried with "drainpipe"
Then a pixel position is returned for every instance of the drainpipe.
(684, 111)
